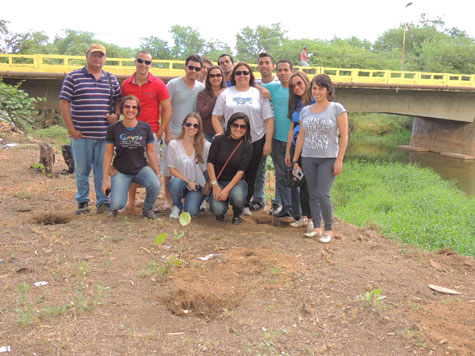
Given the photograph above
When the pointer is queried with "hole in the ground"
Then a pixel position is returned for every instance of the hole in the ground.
(51, 219)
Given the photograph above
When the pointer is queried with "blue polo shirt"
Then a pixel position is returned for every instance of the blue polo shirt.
(89, 100)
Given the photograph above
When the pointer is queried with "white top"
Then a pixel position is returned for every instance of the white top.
(250, 102)
(186, 165)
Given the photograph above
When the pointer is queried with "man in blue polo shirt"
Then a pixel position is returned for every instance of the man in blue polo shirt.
(89, 102)
(280, 98)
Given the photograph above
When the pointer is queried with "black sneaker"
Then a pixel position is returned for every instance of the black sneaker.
(149, 214)
(275, 209)
(283, 214)
(219, 217)
(256, 206)
(236, 220)
(102, 208)
(83, 208)
(112, 213)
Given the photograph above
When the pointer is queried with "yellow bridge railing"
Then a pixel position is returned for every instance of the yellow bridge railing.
(60, 64)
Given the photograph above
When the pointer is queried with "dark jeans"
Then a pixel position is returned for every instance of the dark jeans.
(251, 171)
(303, 191)
(236, 197)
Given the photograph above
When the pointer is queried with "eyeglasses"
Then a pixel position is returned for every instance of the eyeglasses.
(236, 125)
(189, 124)
(299, 83)
(196, 69)
(212, 76)
(141, 61)
(133, 107)
(241, 72)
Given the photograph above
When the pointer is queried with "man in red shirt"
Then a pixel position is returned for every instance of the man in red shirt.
(154, 100)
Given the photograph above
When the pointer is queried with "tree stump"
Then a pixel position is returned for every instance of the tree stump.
(47, 158)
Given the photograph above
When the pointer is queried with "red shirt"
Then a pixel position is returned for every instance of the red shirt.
(150, 95)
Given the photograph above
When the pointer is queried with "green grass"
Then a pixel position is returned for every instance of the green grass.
(412, 204)
(54, 134)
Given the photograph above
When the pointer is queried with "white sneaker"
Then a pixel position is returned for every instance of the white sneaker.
(312, 234)
(203, 206)
(325, 238)
(247, 211)
(175, 214)
(299, 223)
(310, 227)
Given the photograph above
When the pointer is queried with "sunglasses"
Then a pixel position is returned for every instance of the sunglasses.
(189, 124)
(299, 83)
(212, 76)
(241, 72)
(196, 69)
(141, 61)
(236, 125)
(133, 107)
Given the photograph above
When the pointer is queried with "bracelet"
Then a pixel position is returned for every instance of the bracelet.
(287, 153)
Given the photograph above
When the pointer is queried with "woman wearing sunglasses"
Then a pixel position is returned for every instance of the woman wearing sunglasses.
(214, 85)
(186, 157)
(229, 157)
(131, 138)
(299, 97)
(322, 152)
(244, 97)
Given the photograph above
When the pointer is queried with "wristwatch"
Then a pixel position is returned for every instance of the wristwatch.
(214, 183)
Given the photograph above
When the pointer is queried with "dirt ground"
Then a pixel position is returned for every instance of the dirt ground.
(269, 291)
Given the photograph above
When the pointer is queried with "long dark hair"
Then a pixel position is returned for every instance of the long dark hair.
(198, 140)
(324, 81)
(294, 99)
(239, 116)
(208, 87)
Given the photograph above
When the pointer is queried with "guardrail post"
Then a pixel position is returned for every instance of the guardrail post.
(38, 61)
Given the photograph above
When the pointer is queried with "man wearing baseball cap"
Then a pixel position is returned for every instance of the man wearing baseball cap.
(89, 102)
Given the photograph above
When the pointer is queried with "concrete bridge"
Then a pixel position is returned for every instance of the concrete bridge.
(443, 105)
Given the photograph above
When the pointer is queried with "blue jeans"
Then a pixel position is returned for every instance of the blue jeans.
(88, 153)
(146, 178)
(289, 197)
(237, 198)
(178, 191)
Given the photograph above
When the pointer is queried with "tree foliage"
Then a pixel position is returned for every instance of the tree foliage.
(430, 46)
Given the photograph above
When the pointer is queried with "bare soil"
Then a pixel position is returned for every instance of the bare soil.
(269, 291)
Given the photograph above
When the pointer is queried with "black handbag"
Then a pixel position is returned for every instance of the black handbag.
(291, 181)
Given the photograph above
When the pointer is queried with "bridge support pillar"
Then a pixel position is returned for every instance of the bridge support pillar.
(444, 136)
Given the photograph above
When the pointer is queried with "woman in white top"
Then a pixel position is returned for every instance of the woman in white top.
(186, 157)
(244, 97)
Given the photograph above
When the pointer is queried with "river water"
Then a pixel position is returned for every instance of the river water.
(462, 172)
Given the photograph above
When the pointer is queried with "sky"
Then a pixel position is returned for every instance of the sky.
(128, 23)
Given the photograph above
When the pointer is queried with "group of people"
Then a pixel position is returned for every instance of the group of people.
(216, 138)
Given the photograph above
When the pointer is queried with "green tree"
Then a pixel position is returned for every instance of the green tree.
(250, 42)
(214, 48)
(187, 41)
(75, 43)
(158, 48)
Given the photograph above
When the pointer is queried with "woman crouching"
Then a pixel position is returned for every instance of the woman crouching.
(229, 157)
(131, 139)
(186, 157)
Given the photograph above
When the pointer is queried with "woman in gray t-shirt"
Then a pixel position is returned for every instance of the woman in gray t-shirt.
(322, 153)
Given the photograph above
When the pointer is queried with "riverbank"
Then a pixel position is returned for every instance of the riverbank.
(380, 189)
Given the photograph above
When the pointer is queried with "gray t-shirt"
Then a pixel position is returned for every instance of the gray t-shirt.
(321, 131)
(183, 101)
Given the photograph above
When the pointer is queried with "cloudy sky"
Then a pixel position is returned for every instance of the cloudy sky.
(127, 23)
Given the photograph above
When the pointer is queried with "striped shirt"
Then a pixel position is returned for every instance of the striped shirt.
(89, 100)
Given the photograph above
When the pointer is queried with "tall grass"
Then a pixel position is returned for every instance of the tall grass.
(409, 203)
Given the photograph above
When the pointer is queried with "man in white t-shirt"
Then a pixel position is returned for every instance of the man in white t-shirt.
(183, 96)
(266, 66)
